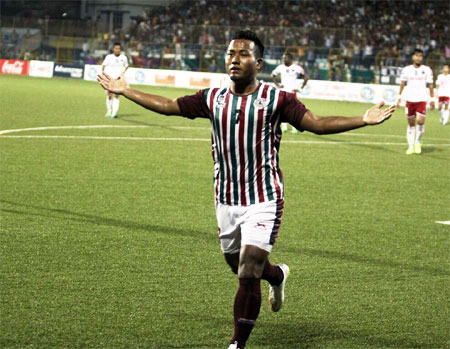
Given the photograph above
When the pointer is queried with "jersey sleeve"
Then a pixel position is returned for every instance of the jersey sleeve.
(301, 72)
(439, 80)
(105, 61)
(125, 62)
(276, 71)
(292, 110)
(194, 106)
(404, 75)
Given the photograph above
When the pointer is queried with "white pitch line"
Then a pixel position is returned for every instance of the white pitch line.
(111, 137)
(443, 222)
(199, 140)
(44, 128)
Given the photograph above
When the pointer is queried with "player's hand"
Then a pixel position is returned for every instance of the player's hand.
(398, 102)
(432, 105)
(376, 115)
(117, 86)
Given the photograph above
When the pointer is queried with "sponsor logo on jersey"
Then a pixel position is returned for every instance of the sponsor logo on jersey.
(220, 101)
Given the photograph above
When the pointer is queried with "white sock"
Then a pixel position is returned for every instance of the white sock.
(420, 129)
(410, 135)
(284, 126)
(445, 116)
(108, 105)
(115, 106)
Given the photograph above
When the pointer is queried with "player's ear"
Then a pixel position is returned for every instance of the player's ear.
(259, 64)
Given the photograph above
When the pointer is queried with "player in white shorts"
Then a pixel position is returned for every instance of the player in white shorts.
(418, 79)
(248, 182)
(443, 90)
(291, 73)
(115, 64)
(256, 225)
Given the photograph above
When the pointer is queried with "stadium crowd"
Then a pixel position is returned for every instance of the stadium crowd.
(357, 34)
(359, 28)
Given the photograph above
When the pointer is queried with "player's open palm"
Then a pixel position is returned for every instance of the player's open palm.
(116, 86)
(377, 115)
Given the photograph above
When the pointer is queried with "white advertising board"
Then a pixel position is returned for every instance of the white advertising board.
(41, 69)
(91, 71)
(160, 77)
(315, 89)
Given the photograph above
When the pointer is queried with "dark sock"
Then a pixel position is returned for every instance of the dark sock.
(272, 274)
(247, 304)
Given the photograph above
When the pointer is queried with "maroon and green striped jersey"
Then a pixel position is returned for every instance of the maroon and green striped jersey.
(245, 136)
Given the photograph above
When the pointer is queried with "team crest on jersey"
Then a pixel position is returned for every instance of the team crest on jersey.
(220, 101)
(261, 103)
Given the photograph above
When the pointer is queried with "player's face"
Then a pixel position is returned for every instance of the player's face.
(446, 69)
(117, 50)
(417, 58)
(241, 63)
(287, 60)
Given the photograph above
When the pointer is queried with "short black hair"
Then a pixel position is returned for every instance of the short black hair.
(417, 50)
(288, 54)
(250, 35)
(117, 44)
(445, 64)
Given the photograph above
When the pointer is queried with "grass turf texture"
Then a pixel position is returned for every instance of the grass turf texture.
(112, 243)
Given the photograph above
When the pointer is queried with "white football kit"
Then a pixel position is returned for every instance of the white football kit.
(289, 76)
(115, 65)
(443, 81)
(416, 82)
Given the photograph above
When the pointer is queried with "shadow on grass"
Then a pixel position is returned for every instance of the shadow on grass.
(315, 335)
(63, 214)
(125, 118)
(376, 262)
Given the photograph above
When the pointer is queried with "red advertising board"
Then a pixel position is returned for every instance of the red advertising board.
(13, 66)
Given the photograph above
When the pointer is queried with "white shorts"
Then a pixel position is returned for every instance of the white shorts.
(256, 225)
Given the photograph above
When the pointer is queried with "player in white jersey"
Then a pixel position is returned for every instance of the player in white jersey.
(443, 90)
(115, 65)
(245, 133)
(291, 73)
(418, 79)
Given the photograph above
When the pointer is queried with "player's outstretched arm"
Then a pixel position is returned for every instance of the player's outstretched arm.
(158, 104)
(336, 124)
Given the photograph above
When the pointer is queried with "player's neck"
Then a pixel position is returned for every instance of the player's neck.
(244, 87)
(417, 65)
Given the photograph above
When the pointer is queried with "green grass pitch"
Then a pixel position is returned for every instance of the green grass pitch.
(108, 235)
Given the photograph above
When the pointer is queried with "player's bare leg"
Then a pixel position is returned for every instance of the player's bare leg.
(251, 265)
(411, 134)
(420, 130)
